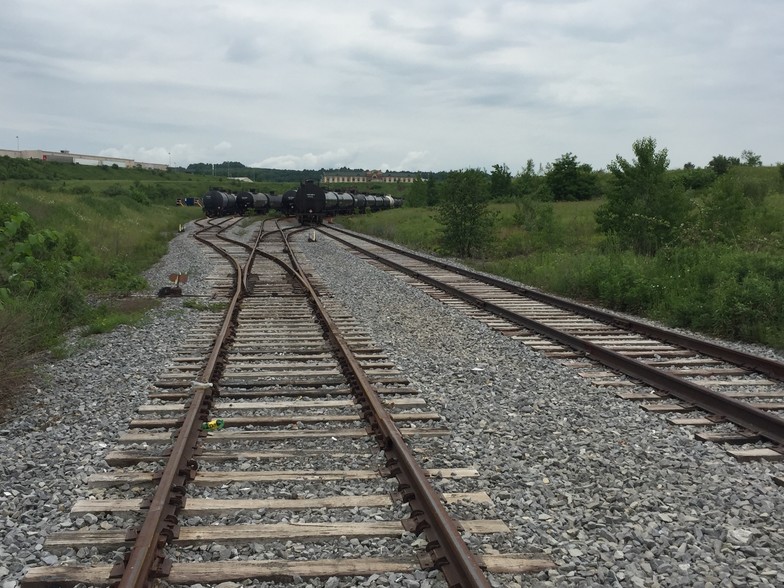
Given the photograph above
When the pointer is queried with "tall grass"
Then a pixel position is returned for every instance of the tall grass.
(116, 230)
(110, 241)
(414, 227)
(731, 289)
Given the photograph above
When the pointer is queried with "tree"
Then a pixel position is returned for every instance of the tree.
(500, 181)
(417, 193)
(750, 158)
(725, 211)
(644, 209)
(529, 183)
(721, 164)
(431, 191)
(463, 210)
(569, 180)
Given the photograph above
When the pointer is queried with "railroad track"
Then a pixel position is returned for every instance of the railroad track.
(733, 397)
(275, 449)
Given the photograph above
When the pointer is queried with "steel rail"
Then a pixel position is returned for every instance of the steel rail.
(146, 559)
(253, 249)
(763, 423)
(770, 367)
(447, 550)
(251, 258)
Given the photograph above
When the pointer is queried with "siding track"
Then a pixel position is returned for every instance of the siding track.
(734, 397)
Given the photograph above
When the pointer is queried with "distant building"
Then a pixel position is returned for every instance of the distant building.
(369, 176)
(66, 156)
(241, 179)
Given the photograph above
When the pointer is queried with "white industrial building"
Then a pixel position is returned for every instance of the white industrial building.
(65, 156)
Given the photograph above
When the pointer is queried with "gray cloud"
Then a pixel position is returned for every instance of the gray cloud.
(437, 85)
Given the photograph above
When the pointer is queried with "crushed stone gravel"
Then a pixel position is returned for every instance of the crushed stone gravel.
(615, 495)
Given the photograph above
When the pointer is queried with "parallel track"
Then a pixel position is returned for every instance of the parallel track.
(728, 385)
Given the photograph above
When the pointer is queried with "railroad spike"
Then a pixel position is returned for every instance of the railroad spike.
(426, 561)
(118, 569)
(161, 567)
(131, 534)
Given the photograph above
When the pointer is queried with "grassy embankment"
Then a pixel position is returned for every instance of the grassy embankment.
(70, 234)
(731, 288)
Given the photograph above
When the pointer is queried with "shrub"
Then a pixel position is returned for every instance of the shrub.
(115, 190)
(139, 194)
(463, 210)
(697, 178)
(568, 180)
(724, 212)
(644, 210)
(81, 189)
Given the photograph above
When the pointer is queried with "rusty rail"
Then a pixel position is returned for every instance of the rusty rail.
(765, 424)
(146, 559)
(447, 550)
(769, 367)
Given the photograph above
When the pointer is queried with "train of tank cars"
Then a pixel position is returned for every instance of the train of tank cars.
(310, 202)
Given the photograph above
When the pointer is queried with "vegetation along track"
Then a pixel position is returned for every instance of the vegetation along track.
(281, 423)
(736, 395)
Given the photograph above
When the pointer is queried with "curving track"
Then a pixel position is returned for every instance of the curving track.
(313, 418)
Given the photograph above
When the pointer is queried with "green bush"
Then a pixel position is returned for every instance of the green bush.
(645, 209)
(40, 296)
(45, 268)
(115, 190)
(464, 213)
(569, 180)
(695, 178)
(139, 194)
(80, 189)
(716, 290)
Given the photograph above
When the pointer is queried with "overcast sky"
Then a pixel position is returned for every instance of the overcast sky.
(428, 85)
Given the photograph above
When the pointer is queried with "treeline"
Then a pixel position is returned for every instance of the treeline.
(233, 169)
(261, 174)
(646, 205)
(699, 248)
(566, 179)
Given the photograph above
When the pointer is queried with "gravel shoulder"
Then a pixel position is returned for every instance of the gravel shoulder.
(615, 495)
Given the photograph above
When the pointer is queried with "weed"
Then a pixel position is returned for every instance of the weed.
(196, 304)
(126, 311)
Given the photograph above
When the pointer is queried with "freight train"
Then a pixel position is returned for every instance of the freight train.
(310, 202)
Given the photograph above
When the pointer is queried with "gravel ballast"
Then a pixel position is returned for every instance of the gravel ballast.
(616, 496)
